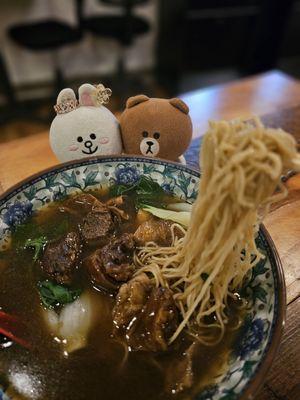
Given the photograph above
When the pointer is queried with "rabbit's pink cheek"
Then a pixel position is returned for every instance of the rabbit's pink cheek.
(73, 147)
(104, 140)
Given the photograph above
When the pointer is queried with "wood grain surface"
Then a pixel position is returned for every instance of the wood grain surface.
(259, 95)
(277, 97)
(283, 382)
(283, 223)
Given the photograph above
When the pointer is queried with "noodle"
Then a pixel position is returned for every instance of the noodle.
(242, 164)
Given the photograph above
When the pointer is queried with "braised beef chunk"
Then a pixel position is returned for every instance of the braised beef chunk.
(60, 258)
(130, 300)
(180, 375)
(112, 265)
(97, 225)
(154, 230)
(148, 314)
(81, 203)
(117, 258)
(95, 270)
(96, 219)
(156, 324)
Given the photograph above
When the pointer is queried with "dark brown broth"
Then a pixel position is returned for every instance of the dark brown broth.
(101, 369)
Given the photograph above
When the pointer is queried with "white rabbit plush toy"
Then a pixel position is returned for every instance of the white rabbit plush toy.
(84, 128)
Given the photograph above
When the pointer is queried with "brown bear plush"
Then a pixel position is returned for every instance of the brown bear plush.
(156, 127)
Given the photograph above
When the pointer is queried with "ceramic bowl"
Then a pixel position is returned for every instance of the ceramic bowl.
(255, 347)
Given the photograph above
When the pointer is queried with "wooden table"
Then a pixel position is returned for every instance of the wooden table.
(274, 94)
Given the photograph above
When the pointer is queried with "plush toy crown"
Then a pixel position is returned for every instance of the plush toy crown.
(66, 106)
(89, 95)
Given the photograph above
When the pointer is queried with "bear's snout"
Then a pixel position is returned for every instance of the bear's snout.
(149, 147)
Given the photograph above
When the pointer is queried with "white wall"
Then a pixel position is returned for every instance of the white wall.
(90, 56)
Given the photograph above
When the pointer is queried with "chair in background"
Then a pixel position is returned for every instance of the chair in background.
(124, 28)
(45, 36)
(263, 52)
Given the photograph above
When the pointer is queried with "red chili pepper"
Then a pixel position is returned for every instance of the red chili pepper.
(12, 327)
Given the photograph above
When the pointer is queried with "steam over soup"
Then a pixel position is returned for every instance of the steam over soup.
(83, 321)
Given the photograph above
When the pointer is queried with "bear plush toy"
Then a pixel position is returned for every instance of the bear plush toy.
(84, 128)
(156, 127)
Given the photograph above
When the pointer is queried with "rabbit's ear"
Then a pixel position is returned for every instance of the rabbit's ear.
(85, 95)
(64, 95)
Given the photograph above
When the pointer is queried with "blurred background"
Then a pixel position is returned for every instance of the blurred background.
(162, 48)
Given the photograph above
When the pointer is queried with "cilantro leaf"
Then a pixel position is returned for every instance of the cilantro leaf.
(37, 244)
(53, 294)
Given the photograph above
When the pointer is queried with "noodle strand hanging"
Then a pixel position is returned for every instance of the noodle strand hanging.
(242, 164)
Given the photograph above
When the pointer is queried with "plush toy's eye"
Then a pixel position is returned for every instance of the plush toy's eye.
(145, 134)
(92, 136)
(79, 139)
(156, 135)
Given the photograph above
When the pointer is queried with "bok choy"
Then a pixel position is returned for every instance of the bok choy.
(53, 295)
(71, 326)
(181, 217)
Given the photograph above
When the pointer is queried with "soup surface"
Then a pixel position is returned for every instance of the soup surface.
(98, 362)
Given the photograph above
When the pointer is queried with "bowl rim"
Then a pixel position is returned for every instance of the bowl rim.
(60, 167)
(255, 382)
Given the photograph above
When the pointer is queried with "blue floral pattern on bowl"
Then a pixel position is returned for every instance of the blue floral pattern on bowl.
(252, 334)
(3, 396)
(262, 289)
(126, 175)
(17, 213)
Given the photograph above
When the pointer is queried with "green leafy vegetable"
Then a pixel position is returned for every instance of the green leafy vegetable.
(118, 190)
(146, 185)
(53, 294)
(181, 217)
(180, 207)
(148, 192)
(145, 191)
(52, 229)
(23, 232)
(58, 229)
(37, 244)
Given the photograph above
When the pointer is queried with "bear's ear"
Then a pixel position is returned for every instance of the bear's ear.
(85, 95)
(180, 105)
(65, 95)
(133, 101)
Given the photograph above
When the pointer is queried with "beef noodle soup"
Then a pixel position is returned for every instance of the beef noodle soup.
(126, 292)
(85, 324)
